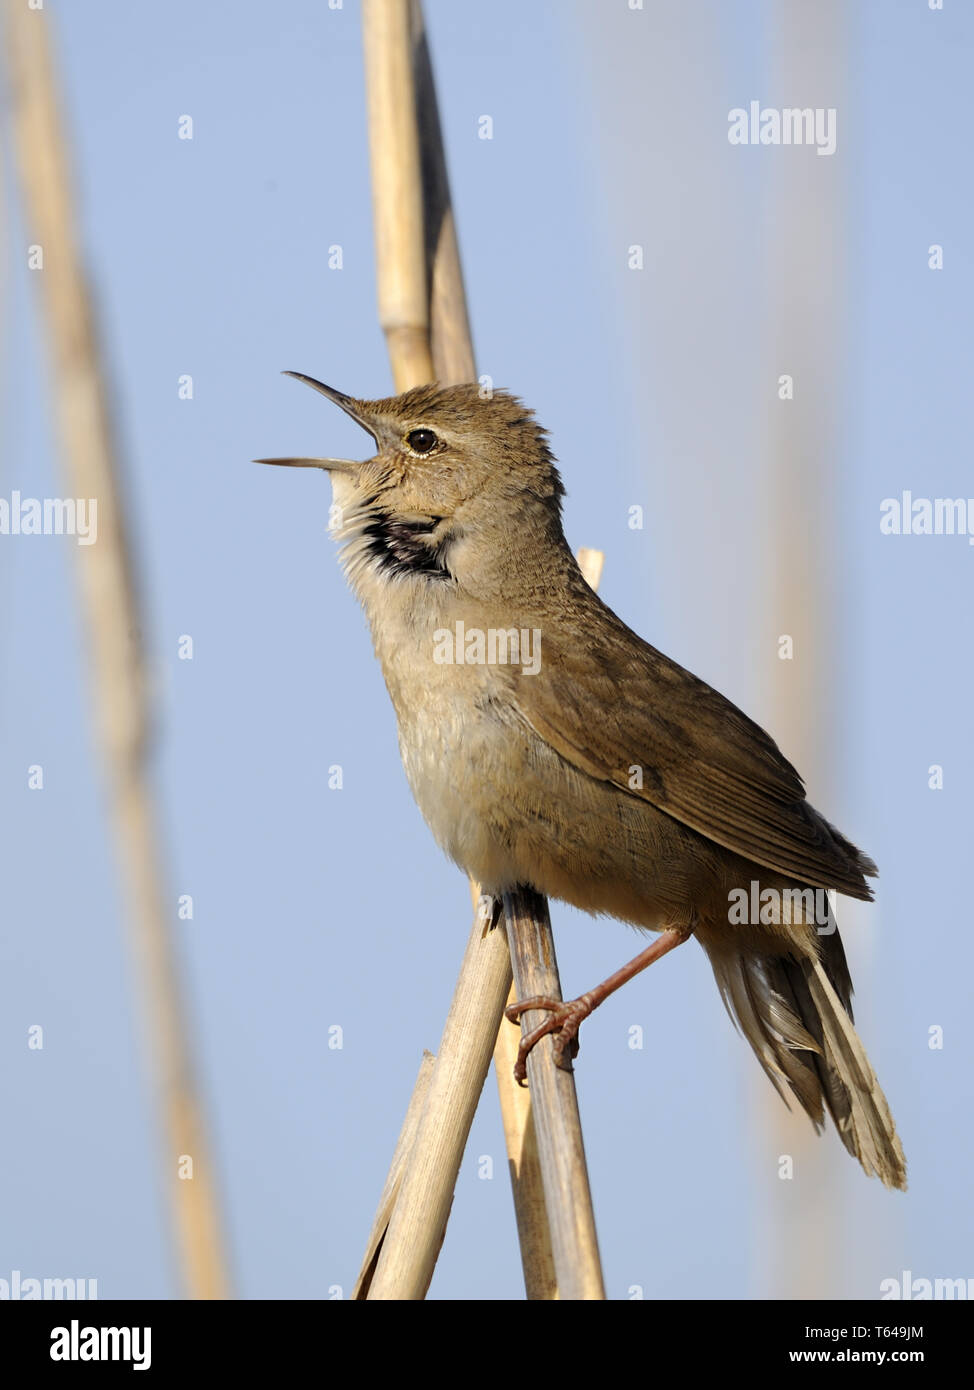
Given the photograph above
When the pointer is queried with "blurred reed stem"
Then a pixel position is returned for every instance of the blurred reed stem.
(114, 623)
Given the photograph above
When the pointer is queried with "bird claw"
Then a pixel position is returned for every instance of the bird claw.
(565, 1018)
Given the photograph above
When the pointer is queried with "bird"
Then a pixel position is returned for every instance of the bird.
(550, 747)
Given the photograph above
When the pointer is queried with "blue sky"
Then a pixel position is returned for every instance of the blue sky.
(316, 908)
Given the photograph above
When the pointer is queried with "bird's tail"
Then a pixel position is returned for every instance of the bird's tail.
(796, 1014)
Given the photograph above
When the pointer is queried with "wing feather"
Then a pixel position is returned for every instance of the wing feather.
(700, 759)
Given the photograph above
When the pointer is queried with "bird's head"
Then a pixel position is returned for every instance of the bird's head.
(459, 482)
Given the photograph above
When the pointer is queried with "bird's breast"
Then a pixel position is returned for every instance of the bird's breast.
(501, 802)
(463, 748)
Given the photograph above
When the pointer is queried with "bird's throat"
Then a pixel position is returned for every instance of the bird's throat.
(400, 547)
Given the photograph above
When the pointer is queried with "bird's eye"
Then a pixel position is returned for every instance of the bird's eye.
(421, 441)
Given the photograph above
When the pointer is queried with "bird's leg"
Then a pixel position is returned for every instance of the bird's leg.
(566, 1015)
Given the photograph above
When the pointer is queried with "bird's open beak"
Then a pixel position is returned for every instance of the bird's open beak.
(351, 407)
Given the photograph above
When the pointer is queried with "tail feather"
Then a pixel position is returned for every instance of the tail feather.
(779, 1040)
(867, 1128)
(795, 1013)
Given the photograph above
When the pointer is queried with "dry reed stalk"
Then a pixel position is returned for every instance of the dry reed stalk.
(418, 1222)
(397, 191)
(423, 1186)
(452, 342)
(402, 93)
(554, 1105)
(524, 1167)
(113, 623)
(534, 1234)
(390, 1191)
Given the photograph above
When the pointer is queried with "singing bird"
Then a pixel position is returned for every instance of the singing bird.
(549, 746)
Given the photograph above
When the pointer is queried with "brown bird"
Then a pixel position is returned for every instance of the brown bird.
(549, 746)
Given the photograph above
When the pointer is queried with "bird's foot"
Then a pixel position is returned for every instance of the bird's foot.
(565, 1019)
(567, 1015)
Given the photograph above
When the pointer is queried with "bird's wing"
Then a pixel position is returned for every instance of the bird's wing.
(622, 712)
